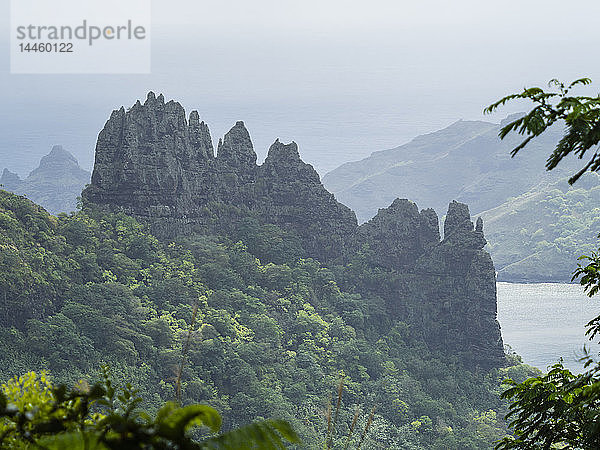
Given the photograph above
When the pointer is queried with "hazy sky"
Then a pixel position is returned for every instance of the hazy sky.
(341, 78)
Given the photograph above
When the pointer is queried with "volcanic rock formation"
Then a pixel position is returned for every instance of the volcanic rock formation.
(153, 163)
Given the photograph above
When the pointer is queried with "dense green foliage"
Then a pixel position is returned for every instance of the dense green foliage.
(270, 339)
(555, 410)
(35, 414)
(538, 235)
(560, 409)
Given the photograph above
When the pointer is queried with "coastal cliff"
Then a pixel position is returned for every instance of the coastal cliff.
(157, 165)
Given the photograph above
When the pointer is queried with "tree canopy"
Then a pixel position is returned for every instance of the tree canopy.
(559, 409)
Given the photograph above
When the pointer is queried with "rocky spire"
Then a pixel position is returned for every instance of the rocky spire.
(394, 235)
(429, 235)
(458, 229)
(149, 159)
(293, 197)
(458, 219)
(200, 137)
(283, 160)
(282, 153)
(236, 148)
(479, 225)
(461, 287)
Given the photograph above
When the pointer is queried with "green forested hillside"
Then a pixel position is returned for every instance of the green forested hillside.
(271, 338)
(539, 235)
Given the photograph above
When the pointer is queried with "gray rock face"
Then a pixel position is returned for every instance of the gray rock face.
(447, 288)
(291, 195)
(55, 184)
(154, 164)
(458, 219)
(398, 235)
(151, 162)
(479, 225)
(430, 228)
(461, 287)
(236, 149)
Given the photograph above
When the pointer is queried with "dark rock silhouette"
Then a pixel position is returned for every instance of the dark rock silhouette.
(152, 163)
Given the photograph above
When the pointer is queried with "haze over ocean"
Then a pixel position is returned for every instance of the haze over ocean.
(306, 71)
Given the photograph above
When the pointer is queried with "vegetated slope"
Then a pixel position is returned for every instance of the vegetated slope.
(538, 236)
(156, 163)
(55, 184)
(465, 161)
(408, 318)
(270, 338)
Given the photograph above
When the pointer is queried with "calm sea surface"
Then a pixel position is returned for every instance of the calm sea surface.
(544, 321)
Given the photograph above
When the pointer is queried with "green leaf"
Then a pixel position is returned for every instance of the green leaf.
(173, 422)
(263, 435)
(71, 441)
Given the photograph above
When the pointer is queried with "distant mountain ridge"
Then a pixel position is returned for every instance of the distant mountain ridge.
(55, 184)
(465, 161)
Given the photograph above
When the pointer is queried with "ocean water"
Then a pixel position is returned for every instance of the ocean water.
(543, 322)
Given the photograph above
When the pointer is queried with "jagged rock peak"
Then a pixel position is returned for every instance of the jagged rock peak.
(58, 153)
(479, 225)
(155, 106)
(281, 151)
(194, 118)
(283, 161)
(236, 147)
(151, 98)
(149, 157)
(398, 235)
(200, 136)
(458, 218)
(404, 204)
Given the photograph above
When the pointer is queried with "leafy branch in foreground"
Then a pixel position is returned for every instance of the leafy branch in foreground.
(581, 116)
(33, 413)
(555, 410)
(559, 409)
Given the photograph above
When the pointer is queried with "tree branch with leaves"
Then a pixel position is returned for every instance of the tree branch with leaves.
(559, 409)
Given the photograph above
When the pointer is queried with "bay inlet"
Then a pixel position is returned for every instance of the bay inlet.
(543, 322)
